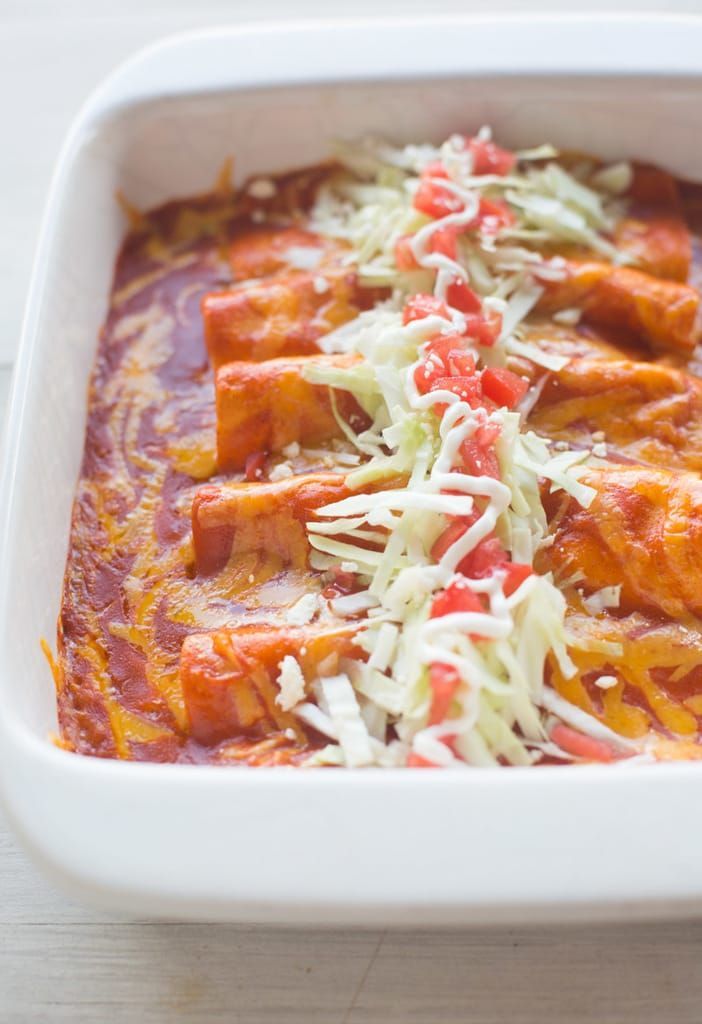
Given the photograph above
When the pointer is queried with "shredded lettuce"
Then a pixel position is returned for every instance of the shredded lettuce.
(409, 489)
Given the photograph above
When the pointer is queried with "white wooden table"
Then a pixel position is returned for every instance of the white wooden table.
(61, 962)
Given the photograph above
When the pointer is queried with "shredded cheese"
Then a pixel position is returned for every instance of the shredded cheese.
(338, 695)
(497, 655)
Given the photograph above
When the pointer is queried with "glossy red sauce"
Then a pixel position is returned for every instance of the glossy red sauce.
(129, 598)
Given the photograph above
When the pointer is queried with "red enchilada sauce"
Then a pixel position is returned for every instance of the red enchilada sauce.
(129, 595)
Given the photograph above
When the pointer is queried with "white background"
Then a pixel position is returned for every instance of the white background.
(60, 962)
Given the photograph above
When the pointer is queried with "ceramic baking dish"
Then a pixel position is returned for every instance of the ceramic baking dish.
(318, 846)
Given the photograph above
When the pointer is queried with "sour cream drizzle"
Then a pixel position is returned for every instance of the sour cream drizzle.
(505, 669)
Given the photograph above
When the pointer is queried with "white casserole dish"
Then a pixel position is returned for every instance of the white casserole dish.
(318, 846)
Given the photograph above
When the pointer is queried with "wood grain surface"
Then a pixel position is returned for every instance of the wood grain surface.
(60, 962)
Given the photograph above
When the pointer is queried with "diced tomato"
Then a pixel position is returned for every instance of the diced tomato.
(444, 680)
(484, 329)
(461, 297)
(446, 360)
(489, 158)
(253, 467)
(416, 761)
(435, 200)
(420, 306)
(468, 390)
(503, 387)
(422, 378)
(478, 459)
(494, 214)
(434, 169)
(443, 241)
(440, 346)
(466, 387)
(483, 559)
(487, 434)
(450, 347)
(431, 369)
(458, 597)
(579, 745)
(478, 453)
(461, 363)
(516, 572)
(453, 532)
(404, 257)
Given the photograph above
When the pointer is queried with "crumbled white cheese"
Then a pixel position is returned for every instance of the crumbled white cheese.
(320, 285)
(291, 682)
(606, 682)
(303, 611)
(262, 188)
(291, 450)
(570, 316)
(252, 578)
(600, 450)
(280, 472)
(599, 436)
(607, 597)
(303, 257)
